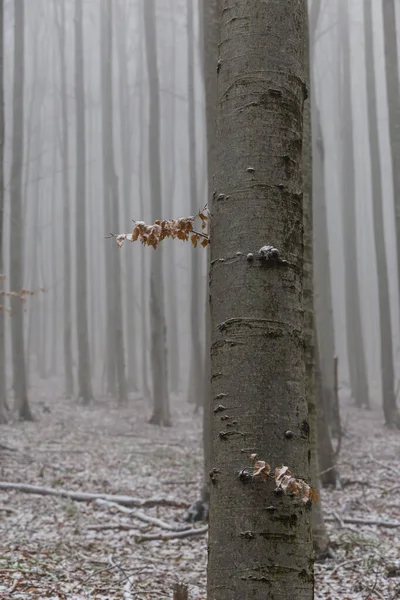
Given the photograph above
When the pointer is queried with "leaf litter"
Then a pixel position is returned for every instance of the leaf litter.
(56, 548)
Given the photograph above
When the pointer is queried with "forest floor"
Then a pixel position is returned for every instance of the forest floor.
(52, 547)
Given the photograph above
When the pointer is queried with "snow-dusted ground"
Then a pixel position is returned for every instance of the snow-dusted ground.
(57, 548)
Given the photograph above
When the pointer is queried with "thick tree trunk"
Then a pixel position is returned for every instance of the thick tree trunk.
(392, 417)
(84, 367)
(3, 388)
(354, 334)
(66, 196)
(260, 542)
(16, 219)
(161, 413)
(393, 100)
(111, 207)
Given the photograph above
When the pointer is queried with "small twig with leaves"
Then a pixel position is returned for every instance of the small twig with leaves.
(181, 229)
(21, 295)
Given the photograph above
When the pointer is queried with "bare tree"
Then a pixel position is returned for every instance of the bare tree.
(161, 413)
(66, 197)
(115, 345)
(256, 305)
(3, 389)
(84, 367)
(392, 417)
(354, 334)
(16, 219)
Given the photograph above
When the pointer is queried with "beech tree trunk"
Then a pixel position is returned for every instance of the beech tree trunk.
(16, 219)
(84, 367)
(392, 417)
(3, 388)
(161, 413)
(354, 334)
(260, 543)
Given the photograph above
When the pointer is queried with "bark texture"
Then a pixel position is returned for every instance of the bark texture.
(392, 417)
(17, 237)
(161, 414)
(84, 367)
(260, 542)
(355, 341)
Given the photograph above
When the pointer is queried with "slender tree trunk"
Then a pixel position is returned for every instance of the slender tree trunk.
(392, 417)
(161, 413)
(355, 342)
(16, 219)
(196, 372)
(260, 543)
(111, 204)
(3, 386)
(393, 100)
(84, 367)
(64, 151)
(320, 535)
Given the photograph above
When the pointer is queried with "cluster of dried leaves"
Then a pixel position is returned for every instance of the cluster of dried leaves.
(182, 229)
(284, 480)
(21, 295)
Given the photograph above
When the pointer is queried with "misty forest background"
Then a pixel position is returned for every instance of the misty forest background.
(104, 124)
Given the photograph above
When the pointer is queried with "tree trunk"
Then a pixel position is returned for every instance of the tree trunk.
(260, 542)
(16, 220)
(393, 100)
(115, 330)
(392, 417)
(161, 413)
(196, 372)
(355, 342)
(3, 387)
(66, 196)
(320, 535)
(84, 367)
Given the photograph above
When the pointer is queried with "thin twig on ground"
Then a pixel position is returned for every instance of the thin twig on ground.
(169, 536)
(142, 516)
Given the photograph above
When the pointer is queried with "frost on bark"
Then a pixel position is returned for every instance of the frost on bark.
(84, 367)
(260, 542)
(16, 219)
(196, 372)
(354, 334)
(392, 417)
(3, 416)
(393, 100)
(161, 413)
(116, 343)
(66, 197)
(320, 535)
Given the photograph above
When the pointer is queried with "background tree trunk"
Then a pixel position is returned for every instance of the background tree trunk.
(256, 306)
(3, 387)
(16, 219)
(392, 417)
(161, 414)
(84, 367)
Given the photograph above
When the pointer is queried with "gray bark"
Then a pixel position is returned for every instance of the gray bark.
(3, 388)
(393, 100)
(66, 197)
(115, 345)
(392, 417)
(16, 219)
(84, 367)
(354, 334)
(260, 543)
(161, 413)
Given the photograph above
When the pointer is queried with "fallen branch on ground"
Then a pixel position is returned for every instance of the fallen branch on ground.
(142, 516)
(385, 466)
(352, 521)
(128, 501)
(169, 536)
